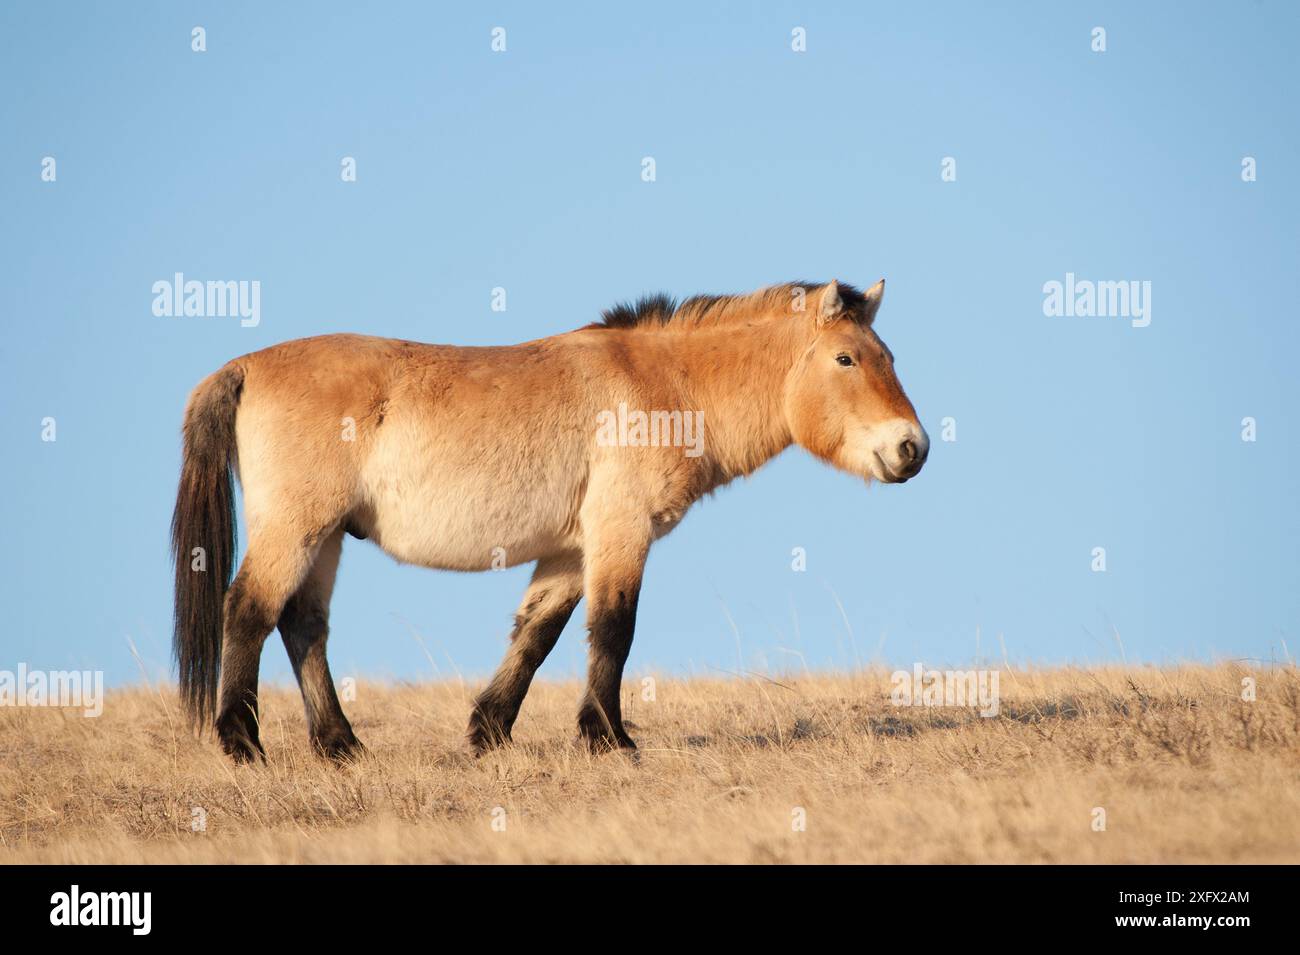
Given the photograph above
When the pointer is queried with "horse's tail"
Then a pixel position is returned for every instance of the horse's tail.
(203, 538)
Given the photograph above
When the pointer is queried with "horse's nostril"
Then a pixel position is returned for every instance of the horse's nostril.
(907, 451)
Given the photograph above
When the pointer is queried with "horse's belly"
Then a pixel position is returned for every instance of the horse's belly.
(458, 536)
(444, 513)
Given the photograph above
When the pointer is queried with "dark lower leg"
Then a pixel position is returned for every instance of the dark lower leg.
(304, 628)
(497, 706)
(600, 717)
(246, 627)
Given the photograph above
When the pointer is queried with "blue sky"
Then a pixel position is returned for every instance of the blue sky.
(522, 169)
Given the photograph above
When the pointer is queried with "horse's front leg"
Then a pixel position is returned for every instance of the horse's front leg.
(614, 560)
(546, 607)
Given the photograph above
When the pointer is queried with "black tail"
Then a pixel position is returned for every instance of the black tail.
(203, 538)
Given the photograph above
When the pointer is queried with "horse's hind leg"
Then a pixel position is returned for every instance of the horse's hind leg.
(277, 561)
(547, 605)
(304, 627)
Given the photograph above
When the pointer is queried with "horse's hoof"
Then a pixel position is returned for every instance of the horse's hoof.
(242, 749)
(485, 733)
(340, 747)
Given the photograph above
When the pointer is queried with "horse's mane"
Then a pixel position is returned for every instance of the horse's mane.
(662, 309)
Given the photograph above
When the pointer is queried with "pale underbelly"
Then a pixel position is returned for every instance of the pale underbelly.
(443, 514)
(451, 538)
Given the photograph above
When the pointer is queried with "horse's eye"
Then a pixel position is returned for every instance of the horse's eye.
(844, 360)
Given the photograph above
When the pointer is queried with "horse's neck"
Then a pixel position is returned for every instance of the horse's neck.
(736, 376)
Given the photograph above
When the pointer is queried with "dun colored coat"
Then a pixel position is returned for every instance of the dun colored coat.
(574, 452)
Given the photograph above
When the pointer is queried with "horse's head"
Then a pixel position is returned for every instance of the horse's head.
(842, 398)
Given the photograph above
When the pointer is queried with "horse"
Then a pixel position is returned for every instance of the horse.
(470, 458)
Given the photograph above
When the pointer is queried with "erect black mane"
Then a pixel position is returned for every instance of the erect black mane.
(661, 308)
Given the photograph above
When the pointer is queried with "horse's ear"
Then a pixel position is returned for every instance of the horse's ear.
(871, 301)
(832, 306)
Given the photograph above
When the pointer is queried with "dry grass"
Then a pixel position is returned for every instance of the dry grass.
(1186, 771)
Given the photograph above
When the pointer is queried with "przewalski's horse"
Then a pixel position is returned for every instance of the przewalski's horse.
(465, 458)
